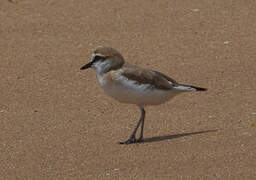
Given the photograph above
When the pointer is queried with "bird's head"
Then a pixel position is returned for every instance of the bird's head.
(105, 59)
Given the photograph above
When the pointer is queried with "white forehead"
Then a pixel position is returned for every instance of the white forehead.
(95, 54)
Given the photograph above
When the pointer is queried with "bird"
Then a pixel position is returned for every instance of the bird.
(131, 84)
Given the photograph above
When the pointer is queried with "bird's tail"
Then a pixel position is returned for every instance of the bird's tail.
(183, 87)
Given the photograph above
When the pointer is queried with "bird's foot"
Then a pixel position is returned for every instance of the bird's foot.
(132, 140)
(140, 139)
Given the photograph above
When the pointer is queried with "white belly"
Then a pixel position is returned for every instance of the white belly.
(127, 91)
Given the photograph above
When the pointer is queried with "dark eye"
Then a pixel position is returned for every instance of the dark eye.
(98, 58)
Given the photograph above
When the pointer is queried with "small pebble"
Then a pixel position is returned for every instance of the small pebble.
(195, 10)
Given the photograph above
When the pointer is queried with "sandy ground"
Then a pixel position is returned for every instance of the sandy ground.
(57, 123)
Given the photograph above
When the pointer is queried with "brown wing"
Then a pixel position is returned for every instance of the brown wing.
(146, 76)
(167, 78)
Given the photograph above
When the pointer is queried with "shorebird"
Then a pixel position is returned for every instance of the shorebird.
(132, 84)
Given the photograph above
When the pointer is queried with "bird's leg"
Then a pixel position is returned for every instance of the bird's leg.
(132, 138)
(143, 113)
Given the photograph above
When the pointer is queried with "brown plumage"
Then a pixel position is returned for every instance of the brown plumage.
(145, 76)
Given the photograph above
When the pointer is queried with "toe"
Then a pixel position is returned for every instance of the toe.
(129, 141)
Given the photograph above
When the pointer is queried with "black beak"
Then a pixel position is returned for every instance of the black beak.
(86, 66)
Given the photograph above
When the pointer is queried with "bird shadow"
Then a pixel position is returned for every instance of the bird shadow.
(173, 136)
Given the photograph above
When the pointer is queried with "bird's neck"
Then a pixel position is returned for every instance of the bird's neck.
(106, 66)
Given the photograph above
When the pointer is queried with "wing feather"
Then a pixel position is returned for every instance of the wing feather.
(146, 76)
